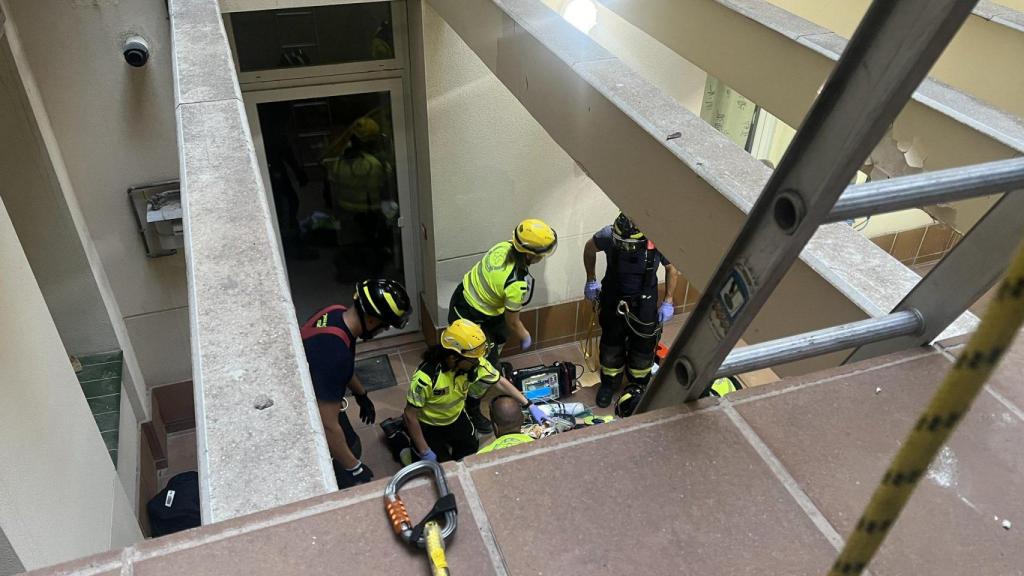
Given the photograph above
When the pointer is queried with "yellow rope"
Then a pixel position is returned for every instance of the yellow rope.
(435, 549)
(589, 343)
(952, 400)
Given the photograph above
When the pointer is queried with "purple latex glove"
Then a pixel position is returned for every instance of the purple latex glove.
(665, 312)
(538, 415)
(429, 455)
(592, 290)
(525, 343)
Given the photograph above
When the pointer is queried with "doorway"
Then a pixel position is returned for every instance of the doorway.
(325, 90)
(336, 170)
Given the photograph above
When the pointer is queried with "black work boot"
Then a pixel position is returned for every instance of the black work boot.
(606, 390)
(480, 422)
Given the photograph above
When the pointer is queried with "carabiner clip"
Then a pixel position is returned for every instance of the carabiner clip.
(397, 512)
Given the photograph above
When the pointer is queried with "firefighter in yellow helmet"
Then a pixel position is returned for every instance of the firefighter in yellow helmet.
(494, 291)
(435, 418)
(359, 183)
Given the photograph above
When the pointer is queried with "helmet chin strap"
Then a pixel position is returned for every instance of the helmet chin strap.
(367, 334)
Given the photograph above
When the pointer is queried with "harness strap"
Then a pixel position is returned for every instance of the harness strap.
(310, 328)
(444, 504)
(650, 265)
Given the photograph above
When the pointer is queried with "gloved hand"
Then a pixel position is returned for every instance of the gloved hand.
(665, 312)
(538, 415)
(429, 455)
(526, 342)
(360, 474)
(592, 290)
(367, 412)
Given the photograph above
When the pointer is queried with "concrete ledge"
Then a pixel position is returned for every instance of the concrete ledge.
(260, 439)
(686, 184)
(797, 460)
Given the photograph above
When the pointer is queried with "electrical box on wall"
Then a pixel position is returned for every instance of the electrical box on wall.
(157, 209)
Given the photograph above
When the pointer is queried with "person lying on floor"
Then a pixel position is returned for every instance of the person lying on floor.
(507, 417)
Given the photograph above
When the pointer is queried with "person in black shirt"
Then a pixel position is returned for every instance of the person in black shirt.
(329, 338)
(630, 314)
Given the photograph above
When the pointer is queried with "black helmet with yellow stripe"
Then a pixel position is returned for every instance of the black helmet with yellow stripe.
(385, 300)
(626, 236)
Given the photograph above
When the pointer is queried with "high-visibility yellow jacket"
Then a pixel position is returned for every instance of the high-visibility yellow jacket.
(506, 441)
(498, 282)
(357, 182)
(441, 394)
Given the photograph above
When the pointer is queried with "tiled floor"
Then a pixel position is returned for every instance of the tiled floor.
(767, 481)
(390, 402)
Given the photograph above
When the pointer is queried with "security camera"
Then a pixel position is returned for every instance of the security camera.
(136, 51)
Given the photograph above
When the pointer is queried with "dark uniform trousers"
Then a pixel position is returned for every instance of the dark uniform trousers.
(622, 350)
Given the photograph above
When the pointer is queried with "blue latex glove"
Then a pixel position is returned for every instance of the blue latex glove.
(526, 342)
(592, 290)
(429, 455)
(665, 312)
(538, 415)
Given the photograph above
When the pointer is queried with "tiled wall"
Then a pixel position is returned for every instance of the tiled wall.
(100, 379)
(566, 322)
(920, 245)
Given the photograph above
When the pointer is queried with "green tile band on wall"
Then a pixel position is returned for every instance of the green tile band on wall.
(103, 404)
(104, 387)
(107, 422)
(100, 379)
(103, 371)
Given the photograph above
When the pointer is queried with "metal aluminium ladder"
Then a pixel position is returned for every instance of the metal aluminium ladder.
(891, 52)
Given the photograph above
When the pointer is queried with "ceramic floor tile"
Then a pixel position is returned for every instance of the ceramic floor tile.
(659, 500)
(355, 539)
(837, 438)
(1008, 379)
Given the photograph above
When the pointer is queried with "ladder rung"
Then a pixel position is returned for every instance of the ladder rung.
(820, 342)
(928, 189)
(891, 51)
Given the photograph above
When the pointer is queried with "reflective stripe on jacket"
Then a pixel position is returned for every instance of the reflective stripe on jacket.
(506, 441)
(498, 282)
(440, 395)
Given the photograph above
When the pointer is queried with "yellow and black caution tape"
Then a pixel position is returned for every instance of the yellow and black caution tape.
(952, 400)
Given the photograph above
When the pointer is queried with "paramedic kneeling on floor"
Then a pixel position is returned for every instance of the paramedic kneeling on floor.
(329, 338)
(507, 417)
(435, 418)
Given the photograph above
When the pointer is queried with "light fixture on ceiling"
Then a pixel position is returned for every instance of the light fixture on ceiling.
(582, 14)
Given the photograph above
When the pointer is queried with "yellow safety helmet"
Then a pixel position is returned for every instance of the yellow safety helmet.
(366, 129)
(465, 338)
(723, 386)
(535, 237)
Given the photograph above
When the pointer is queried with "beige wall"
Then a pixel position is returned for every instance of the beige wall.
(29, 189)
(983, 59)
(62, 498)
(115, 128)
(670, 72)
(491, 164)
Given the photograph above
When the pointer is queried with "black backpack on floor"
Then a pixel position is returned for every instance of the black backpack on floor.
(176, 507)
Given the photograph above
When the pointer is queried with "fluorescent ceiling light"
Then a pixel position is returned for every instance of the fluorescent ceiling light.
(582, 14)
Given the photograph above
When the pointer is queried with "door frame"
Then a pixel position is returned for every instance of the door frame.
(408, 221)
(400, 40)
